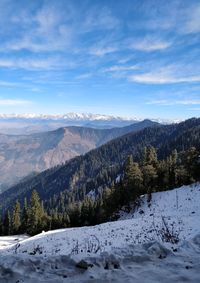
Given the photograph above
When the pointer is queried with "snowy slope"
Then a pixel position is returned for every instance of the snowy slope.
(180, 206)
(123, 250)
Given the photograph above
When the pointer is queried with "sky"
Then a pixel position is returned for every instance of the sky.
(119, 57)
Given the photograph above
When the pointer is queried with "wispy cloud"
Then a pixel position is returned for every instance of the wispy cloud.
(159, 78)
(170, 74)
(44, 30)
(8, 84)
(14, 102)
(101, 51)
(84, 76)
(119, 68)
(166, 102)
(176, 16)
(47, 63)
(150, 43)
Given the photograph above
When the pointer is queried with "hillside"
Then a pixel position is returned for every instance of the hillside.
(23, 154)
(136, 249)
(98, 168)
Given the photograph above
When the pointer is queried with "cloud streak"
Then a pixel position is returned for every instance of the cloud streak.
(35, 63)
(14, 102)
(175, 73)
(164, 102)
(157, 78)
(150, 44)
(119, 68)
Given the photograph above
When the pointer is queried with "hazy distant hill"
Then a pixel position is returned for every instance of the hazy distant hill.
(22, 155)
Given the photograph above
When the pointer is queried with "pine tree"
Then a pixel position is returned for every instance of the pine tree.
(7, 223)
(133, 178)
(150, 177)
(150, 156)
(16, 218)
(24, 220)
(191, 161)
(35, 214)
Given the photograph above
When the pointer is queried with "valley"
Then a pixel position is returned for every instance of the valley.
(23, 155)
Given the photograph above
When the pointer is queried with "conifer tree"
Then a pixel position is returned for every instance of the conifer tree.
(35, 214)
(150, 156)
(24, 220)
(133, 178)
(7, 223)
(16, 218)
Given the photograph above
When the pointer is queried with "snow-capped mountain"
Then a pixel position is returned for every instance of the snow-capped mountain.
(81, 116)
(34, 123)
(67, 116)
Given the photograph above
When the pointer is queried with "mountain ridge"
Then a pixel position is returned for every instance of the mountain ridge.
(22, 155)
(81, 116)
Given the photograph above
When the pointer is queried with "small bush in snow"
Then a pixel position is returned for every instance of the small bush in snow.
(168, 232)
(91, 245)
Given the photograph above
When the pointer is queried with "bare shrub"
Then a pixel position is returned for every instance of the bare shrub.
(168, 233)
(91, 245)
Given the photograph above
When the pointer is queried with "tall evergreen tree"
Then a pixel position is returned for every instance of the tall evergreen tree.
(16, 218)
(7, 224)
(133, 179)
(150, 156)
(24, 218)
(35, 214)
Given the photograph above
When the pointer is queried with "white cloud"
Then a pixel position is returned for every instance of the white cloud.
(166, 102)
(84, 76)
(118, 68)
(171, 74)
(150, 44)
(14, 102)
(177, 16)
(8, 84)
(101, 51)
(156, 78)
(43, 30)
(50, 63)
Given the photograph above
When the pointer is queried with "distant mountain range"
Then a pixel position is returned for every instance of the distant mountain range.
(34, 123)
(21, 155)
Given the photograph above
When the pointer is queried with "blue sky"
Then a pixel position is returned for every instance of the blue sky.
(126, 57)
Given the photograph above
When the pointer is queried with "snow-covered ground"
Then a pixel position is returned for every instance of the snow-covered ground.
(7, 241)
(132, 249)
